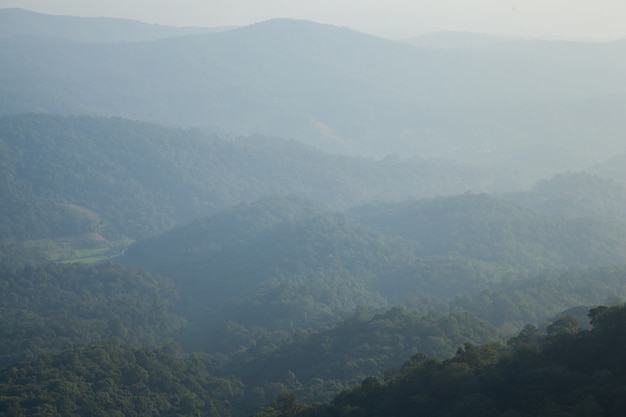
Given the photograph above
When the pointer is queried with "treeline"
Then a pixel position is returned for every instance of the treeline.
(567, 372)
(270, 290)
(492, 229)
(49, 309)
(564, 371)
(113, 380)
(86, 337)
(316, 364)
(63, 176)
(283, 263)
(44, 309)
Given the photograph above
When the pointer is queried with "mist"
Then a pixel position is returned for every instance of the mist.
(231, 209)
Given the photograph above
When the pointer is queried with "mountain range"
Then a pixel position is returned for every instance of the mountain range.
(535, 106)
(214, 221)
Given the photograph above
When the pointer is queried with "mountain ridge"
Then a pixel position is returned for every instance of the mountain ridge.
(288, 78)
(23, 22)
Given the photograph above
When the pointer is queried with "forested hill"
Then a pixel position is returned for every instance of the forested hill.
(65, 176)
(578, 195)
(277, 263)
(493, 229)
(283, 262)
(45, 309)
(342, 91)
(567, 372)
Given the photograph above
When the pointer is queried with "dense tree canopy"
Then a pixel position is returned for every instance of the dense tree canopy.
(53, 307)
(566, 372)
(64, 176)
(114, 380)
(232, 276)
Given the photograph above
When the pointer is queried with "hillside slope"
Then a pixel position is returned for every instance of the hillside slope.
(532, 105)
(67, 176)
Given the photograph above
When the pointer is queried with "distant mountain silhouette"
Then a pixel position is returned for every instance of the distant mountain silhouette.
(538, 107)
(446, 40)
(20, 22)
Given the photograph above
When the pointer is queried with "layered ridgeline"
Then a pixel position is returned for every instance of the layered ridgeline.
(534, 106)
(79, 339)
(567, 372)
(566, 227)
(281, 263)
(20, 22)
(278, 263)
(96, 178)
(562, 372)
(264, 284)
(99, 328)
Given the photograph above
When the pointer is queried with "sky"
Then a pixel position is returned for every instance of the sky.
(396, 19)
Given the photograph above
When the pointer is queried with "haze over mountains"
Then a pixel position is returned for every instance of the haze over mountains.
(213, 222)
(541, 107)
(20, 22)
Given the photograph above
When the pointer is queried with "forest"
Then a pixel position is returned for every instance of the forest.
(280, 303)
(151, 264)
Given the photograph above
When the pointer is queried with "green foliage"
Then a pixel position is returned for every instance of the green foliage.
(323, 362)
(491, 229)
(72, 176)
(580, 373)
(535, 299)
(282, 263)
(576, 195)
(53, 307)
(277, 263)
(114, 380)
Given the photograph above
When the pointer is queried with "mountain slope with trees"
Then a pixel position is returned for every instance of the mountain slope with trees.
(67, 176)
(277, 263)
(342, 91)
(492, 229)
(116, 380)
(45, 309)
(281, 263)
(566, 372)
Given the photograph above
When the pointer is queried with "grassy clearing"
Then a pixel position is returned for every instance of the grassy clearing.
(73, 249)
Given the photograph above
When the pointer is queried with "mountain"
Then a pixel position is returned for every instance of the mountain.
(530, 106)
(278, 263)
(445, 40)
(614, 168)
(72, 176)
(284, 262)
(319, 362)
(577, 195)
(46, 309)
(20, 22)
(495, 230)
(566, 372)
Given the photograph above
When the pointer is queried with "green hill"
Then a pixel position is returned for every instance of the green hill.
(45, 309)
(341, 91)
(567, 372)
(278, 263)
(495, 230)
(84, 177)
(282, 263)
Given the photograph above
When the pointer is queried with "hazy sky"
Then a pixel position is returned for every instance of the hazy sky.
(580, 19)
